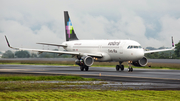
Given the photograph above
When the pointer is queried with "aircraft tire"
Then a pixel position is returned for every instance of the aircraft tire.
(82, 68)
(86, 68)
(131, 69)
(122, 67)
(117, 67)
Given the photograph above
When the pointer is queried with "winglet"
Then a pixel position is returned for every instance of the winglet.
(172, 42)
(7, 42)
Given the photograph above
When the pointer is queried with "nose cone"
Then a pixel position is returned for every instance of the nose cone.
(140, 54)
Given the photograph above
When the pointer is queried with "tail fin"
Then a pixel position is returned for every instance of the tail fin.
(70, 34)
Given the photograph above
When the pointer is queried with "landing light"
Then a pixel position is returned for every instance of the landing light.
(95, 58)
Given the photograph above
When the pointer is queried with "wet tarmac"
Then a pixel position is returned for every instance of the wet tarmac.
(175, 61)
(138, 79)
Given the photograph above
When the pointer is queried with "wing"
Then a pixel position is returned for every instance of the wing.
(161, 50)
(52, 44)
(58, 52)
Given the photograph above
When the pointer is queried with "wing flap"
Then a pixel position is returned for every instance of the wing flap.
(52, 44)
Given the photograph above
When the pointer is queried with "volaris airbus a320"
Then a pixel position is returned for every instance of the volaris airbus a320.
(88, 51)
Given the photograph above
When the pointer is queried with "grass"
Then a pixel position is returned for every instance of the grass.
(92, 95)
(96, 64)
(26, 90)
(45, 77)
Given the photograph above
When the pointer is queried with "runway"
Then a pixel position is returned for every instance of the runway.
(174, 61)
(155, 78)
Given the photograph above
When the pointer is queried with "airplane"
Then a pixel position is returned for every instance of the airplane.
(88, 51)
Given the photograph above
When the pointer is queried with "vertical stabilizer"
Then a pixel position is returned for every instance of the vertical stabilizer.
(70, 34)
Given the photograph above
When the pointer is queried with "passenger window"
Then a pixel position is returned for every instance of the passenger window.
(130, 47)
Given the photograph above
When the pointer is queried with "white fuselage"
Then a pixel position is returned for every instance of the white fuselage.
(112, 50)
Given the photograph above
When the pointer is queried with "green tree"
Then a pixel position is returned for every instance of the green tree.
(152, 56)
(22, 54)
(177, 50)
(174, 56)
(164, 55)
(49, 55)
(8, 54)
(33, 55)
(46, 55)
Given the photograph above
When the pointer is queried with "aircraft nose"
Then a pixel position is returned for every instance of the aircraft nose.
(140, 54)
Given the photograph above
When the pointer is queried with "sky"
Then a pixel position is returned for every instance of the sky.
(149, 22)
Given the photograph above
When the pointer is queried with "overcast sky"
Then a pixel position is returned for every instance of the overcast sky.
(150, 22)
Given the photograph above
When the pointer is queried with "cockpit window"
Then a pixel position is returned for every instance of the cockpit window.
(134, 47)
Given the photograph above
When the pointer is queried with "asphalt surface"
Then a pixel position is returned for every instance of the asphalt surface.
(139, 78)
(175, 61)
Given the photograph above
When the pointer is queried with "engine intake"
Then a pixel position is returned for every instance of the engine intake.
(85, 60)
(140, 63)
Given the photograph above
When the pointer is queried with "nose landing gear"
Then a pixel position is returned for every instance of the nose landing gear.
(121, 67)
(130, 69)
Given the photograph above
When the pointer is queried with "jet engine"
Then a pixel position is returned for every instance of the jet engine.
(140, 63)
(85, 60)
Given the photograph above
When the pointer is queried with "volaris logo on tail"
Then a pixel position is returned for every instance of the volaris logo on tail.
(69, 28)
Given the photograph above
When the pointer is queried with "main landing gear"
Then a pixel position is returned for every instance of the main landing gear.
(82, 68)
(119, 67)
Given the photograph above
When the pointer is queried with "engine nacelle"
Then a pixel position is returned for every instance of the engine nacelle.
(140, 63)
(85, 60)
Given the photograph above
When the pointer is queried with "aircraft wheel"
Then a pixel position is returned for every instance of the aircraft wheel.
(86, 68)
(117, 67)
(122, 67)
(82, 68)
(131, 69)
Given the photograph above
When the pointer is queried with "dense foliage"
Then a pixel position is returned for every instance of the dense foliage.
(177, 51)
(8, 54)
(22, 54)
(26, 54)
